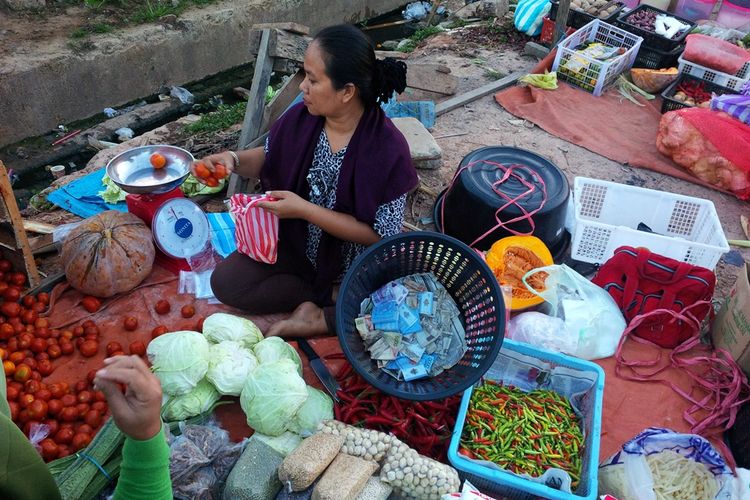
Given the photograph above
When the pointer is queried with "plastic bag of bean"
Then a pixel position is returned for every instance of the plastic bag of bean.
(415, 476)
(362, 443)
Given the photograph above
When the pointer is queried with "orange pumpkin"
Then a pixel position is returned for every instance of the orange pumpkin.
(511, 258)
(109, 253)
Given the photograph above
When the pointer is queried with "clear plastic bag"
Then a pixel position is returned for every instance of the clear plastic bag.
(627, 474)
(61, 232)
(588, 311)
(37, 433)
(543, 331)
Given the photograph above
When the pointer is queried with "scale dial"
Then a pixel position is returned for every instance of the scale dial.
(180, 228)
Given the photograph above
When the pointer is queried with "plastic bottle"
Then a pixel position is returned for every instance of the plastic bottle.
(734, 13)
(695, 10)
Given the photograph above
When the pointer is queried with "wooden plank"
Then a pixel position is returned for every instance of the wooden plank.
(394, 54)
(237, 184)
(281, 101)
(460, 100)
(261, 78)
(561, 21)
(284, 45)
(38, 227)
(431, 77)
(291, 27)
(22, 242)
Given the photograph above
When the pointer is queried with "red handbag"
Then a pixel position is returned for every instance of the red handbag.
(642, 282)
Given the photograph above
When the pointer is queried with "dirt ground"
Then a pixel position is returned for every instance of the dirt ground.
(475, 56)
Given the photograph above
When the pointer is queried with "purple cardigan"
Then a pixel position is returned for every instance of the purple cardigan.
(376, 169)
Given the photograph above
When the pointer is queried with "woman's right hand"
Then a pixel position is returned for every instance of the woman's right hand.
(206, 166)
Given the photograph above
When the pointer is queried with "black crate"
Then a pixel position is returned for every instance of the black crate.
(650, 38)
(669, 104)
(657, 59)
(578, 18)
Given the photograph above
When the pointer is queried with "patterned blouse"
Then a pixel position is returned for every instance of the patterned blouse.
(323, 178)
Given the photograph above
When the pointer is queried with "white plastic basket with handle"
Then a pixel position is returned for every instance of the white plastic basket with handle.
(608, 215)
(734, 82)
(592, 74)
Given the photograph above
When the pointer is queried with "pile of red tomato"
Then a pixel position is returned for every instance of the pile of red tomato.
(71, 413)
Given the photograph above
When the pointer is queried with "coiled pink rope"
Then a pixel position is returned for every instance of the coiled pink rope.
(719, 386)
(510, 171)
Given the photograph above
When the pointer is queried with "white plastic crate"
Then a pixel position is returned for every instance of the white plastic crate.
(608, 214)
(592, 74)
(734, 82)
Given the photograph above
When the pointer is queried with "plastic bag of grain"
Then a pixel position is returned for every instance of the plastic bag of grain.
(303, 466)
(255, 475)
(344, 478)
(375, 489)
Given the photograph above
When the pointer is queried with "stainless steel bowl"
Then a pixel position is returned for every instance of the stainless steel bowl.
(133, 173)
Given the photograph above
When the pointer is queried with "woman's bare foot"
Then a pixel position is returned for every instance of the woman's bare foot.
(306, 321)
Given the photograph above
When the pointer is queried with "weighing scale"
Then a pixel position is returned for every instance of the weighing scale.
(179, 226)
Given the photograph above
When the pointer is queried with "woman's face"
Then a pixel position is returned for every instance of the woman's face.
(317, 89)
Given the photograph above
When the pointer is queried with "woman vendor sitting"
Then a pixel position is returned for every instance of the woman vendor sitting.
(340, 172)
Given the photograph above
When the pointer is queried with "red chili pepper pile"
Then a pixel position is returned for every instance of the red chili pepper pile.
(425, 426)
(694, 90)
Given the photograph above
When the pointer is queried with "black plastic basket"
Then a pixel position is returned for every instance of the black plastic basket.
(463, 273)
(670, 104)
(578, 18)
(651, 39)
(651, 58)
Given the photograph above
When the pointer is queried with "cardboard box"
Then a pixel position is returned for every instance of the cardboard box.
(731, 328)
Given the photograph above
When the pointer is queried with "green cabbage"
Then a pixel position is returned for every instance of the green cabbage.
(221, 326)
(272, 395)
(200, 400)
(284, 444)
(193, 187)
(273, 349)
(229, 366)
(179, 359)
(316, 408)
(112, 193)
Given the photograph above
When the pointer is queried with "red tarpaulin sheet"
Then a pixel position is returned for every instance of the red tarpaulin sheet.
(629, 407)
(608, 125)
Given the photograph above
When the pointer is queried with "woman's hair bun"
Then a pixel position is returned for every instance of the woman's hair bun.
(390, 77)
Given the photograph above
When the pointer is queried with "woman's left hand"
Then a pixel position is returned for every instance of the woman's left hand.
(288, 205)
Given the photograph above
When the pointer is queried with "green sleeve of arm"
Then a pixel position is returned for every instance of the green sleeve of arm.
(144, 472)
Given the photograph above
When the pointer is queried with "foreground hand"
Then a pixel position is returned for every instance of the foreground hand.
(209, 163)
(287, 205)
(137, 413)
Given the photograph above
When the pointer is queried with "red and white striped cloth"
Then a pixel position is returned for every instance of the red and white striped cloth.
(256, 229)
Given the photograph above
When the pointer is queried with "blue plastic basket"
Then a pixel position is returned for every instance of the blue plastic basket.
(505, 483)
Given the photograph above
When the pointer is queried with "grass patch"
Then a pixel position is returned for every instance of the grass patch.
(458, 23)
(418, 36)
(152, 11)
(224, 117)
(493, 74)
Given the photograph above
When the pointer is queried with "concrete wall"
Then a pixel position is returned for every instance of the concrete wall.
(41, 90)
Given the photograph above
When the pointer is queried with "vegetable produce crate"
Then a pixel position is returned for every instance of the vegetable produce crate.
(671, 104)
(578, 18)
(732, 82)
(608, 214)
(650, 38)
(651, 58)
(582, 382)
(591, 74)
